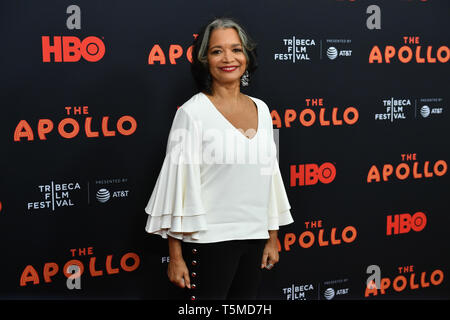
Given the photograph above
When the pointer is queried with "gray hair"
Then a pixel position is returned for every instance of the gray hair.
(224, 23)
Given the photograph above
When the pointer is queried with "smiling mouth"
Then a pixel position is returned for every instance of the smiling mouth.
(228, 69)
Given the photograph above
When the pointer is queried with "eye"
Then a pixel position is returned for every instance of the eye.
(218, 51)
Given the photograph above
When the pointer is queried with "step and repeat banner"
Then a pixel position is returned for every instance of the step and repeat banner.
(359, 96)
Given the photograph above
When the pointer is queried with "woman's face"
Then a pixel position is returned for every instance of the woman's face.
(225, 51)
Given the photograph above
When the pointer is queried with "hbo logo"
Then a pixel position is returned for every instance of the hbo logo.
(71, 49)
(403, 223)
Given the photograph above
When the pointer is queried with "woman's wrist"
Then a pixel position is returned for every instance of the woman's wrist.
(175, 252)
(273, 236)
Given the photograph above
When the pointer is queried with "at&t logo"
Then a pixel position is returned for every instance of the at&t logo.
(103, 195)
(329, 293)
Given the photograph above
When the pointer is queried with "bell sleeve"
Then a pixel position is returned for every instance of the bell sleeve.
(175, 206)
(279, 208)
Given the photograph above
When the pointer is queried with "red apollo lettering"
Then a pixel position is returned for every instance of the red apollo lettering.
(308, 238)
(403, 282)
(128, 262)
(403, 223)
(308, 117)
(175, 52)
(406, 54)
(69, 128)
(71, 49)
(50, 269)
(310, 174)
(403, 171)
(29, 274)
(94, 272)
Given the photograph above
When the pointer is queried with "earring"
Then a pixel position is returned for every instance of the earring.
(244, 79)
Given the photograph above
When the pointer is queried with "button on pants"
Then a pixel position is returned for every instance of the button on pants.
(228, 270)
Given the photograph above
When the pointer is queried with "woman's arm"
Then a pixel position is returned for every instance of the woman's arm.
(177, 270)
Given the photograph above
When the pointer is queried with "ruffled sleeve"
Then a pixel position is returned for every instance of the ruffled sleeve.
(175, 206)
(279, 207)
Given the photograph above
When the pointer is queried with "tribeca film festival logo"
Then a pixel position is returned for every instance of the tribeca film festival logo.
(56, 195)
(402, 108)
(71, 48)
(395, 109)
(299, 292)
(327, 290)
(300, 50)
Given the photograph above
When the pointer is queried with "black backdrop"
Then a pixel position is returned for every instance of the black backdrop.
(81, 199)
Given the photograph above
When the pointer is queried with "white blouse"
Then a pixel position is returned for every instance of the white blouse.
(216, 184)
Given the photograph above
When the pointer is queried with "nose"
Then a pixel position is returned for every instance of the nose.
(227, 56)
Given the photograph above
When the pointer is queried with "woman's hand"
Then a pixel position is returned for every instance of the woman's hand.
(178, 273)
(270, 254)
(177, 270)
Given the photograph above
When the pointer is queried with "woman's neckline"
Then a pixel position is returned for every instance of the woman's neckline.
(230, 124)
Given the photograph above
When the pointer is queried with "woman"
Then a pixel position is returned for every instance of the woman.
(220, 217)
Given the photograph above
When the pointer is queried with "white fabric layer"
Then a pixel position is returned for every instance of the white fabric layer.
(215, 184)
(279, 207)
(175, 206)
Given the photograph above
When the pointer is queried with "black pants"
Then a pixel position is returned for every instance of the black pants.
(228, 270)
